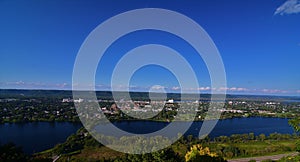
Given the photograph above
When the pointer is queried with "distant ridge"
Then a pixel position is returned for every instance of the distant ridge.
(10, 93)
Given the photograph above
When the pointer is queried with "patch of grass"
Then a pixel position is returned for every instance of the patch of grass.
(98, 153)
(260, 148)
(44, 152)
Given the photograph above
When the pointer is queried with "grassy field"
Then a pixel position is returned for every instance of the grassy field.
(249, 149)
(256, 148)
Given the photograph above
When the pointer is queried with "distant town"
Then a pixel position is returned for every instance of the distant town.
(24, 108)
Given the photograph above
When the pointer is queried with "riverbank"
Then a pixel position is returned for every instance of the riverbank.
(38, 136)
(230, 147)
(154, 120)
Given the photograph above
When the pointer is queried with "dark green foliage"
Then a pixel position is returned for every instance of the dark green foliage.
(206, 158)
(73, 143)
(295, 123)
(11, 153)
(166, 155)
(76, 142)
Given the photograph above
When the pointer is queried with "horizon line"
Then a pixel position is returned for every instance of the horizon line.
(241, 94)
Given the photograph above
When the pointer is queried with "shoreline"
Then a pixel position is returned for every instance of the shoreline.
(144, 120)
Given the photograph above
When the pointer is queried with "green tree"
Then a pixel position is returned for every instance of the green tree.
(10, 153)
(295, 123)
(198, 153)
(262, 137)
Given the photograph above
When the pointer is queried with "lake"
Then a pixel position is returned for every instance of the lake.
(39, 136)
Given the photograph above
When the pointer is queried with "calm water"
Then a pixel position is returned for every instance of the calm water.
(256, 125)
(35, 137)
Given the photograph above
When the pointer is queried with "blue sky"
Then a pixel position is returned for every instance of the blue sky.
(259, 42)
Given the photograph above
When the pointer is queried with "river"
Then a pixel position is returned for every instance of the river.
(39, 136)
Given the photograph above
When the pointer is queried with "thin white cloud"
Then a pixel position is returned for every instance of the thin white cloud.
(274, 91)
(233, 89)
(242, 89)
(156, 88)
(20, 82)
(175, 88)
(64, 85)
(223, 89)
(33, 85)
(204, 88)
(289, 7)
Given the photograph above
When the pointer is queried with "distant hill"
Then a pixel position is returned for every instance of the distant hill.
(22, 93)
